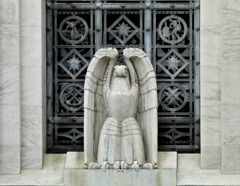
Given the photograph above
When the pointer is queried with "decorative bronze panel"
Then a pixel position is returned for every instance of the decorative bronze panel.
(168, 31)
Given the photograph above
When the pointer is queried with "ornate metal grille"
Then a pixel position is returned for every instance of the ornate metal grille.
(168, 31)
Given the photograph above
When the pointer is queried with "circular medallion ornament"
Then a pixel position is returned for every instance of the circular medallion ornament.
(172, 29)
(172, 97)
(71, 97)
(73, 29)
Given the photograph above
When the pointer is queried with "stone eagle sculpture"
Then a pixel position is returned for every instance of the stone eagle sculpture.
(120, 111)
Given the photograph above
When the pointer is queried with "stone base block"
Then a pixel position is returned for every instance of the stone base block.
(165, 175)
(190, 174)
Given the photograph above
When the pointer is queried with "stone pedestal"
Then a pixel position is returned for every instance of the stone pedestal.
(76, 175)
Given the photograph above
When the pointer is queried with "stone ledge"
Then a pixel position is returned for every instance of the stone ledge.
(165, 175)
(189, 173)
(50, 175)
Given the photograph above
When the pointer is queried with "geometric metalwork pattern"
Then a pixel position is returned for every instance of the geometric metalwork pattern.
(173, 97)
(72, 134)
(123, 29)
(172, 29)
(168, 31)
(73, 63)
(73, 29)
(71, 97)
(172, 63)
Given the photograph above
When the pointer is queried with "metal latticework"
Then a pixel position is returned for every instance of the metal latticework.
(168, 31)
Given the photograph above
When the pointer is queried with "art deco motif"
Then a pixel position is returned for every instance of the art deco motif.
(172, 63)
(72, 134)
(71, 97)
(173, 97)
(119, 139)
(172, 29)
(173, 135)
(123, 29)
(73, 29)
(73, 63)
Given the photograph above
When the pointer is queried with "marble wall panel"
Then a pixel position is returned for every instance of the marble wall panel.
(9, 12)
(31, 86)
(9, 159)
(231, 159)
(9, 43)
(31, 129)
(32, 18)
(9, 88)
(189, 173)
(210, 39)
(210, 73)
(231, 121)
(230, 87)
(210, 13)
(9, 84)
(31, 46)
(31, 158)
(211, 157)
(31, 13)
(10, 125)
(212, 116)
(230, 83)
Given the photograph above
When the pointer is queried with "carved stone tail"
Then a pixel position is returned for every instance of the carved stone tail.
(121, 142)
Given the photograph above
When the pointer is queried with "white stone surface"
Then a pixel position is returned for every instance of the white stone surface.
(9, 12)
(9, 82)
(32, 39)
(230, 79)
(9, 43)
(165, 175)
(211, 157)
(189, 173)
(74, 160)
(31, 86)
(50, 175)
(210, 77)
(231, 119)
(31, 158)
(31, 134)
(9, 87)
(230, 87)
(31, 12)
(9, 159)
(54, 161)
(31, 46)
(9, 125)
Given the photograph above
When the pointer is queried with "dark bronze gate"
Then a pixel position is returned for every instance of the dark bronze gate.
(168, 31)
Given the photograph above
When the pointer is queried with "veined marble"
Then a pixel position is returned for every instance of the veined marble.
(189, 173)
(210, 77)
(9, 12)
(31, 46)
(9, 160)
(31, 158)
(164, 175)
(50, 175)
(31, 88)
(9, 43)
(31, 12)
(9, 125)
(230, 79)
(31, 128)
(9, 83)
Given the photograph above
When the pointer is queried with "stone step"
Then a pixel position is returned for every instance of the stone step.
(190, 174)
(50, 175)
(165, 175)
